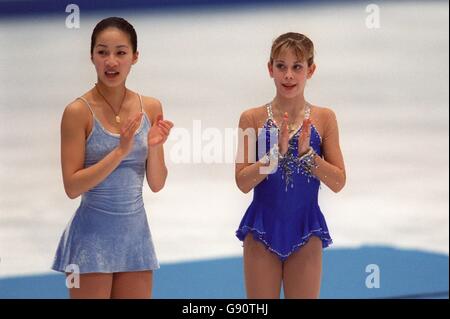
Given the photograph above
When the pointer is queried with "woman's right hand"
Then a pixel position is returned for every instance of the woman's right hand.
(283, 139)
(127, 133)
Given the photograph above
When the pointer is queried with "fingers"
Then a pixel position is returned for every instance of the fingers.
(164, 131)
(308, 123)
(156, 140)
(305, 136)
(162, 127)
(306, 127)
(126, 126)
(159, 118)
(132, 124)
(285, 120)
(284, 125)
(169, 123)
(135, 123)
(165, 126)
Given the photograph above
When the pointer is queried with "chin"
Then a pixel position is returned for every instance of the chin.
(290, 95)
(112, 83)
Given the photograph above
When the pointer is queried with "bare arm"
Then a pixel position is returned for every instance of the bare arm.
(155, 166)
(331, 169)
(247, 171)
(77, 179)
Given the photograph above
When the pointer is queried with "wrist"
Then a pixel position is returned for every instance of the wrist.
(308, 152)
(272, 156)
(308, 161)
(120, 152)
(154, 148)
(281, 150)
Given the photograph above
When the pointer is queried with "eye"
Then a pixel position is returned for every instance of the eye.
(121, 53)
(280, 66)
(102, 52)
(298, 67)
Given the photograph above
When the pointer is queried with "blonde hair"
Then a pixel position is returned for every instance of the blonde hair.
(302, 46)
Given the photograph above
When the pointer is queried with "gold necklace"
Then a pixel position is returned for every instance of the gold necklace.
(116, 115)
(292, 127)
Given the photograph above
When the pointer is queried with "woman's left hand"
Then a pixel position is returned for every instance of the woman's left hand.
(159, 132)
(305, 137)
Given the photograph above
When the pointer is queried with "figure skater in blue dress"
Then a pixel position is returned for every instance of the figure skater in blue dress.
(111, 138)
(293, 148)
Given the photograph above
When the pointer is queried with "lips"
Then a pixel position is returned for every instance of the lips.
(289, 86)
(111, 74)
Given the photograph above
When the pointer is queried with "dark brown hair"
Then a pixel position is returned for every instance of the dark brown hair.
(118, 23)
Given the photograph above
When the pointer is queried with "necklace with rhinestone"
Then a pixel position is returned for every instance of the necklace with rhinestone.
(116, 115)
(292, 126)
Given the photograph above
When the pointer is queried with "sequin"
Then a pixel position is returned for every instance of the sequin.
(290, 163)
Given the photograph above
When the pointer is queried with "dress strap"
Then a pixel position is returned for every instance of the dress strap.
(269, 111)
(87, 103)
(142, 105)
(308, 110)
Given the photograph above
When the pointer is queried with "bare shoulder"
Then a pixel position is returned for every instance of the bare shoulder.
(152, 107)
(76, 115)
(322, 110)
(256, 111)
(255, 116)
(322, 114)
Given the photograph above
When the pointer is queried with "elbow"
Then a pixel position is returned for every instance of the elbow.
(336, 189)
(156, 188)
(70, 193)
(339, 186)
(157, 182)
(242, 187)
(69, 188)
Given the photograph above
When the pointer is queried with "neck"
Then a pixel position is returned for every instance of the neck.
(291, 106)
(114, 95)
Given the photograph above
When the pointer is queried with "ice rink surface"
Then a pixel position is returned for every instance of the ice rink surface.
(388, 87)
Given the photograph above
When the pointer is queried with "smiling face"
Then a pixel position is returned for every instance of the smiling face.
(290, 73)
(113, 56)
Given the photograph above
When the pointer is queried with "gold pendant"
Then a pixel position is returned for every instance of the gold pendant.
(292, 128)
(117, 119)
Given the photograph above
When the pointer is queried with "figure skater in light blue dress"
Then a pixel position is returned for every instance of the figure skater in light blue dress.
(294, 147)
(111, 138)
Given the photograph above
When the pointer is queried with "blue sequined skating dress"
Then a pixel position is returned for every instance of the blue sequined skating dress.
(285, 212)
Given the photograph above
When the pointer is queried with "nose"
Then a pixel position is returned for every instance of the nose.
(288, 75)
(111, 61)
